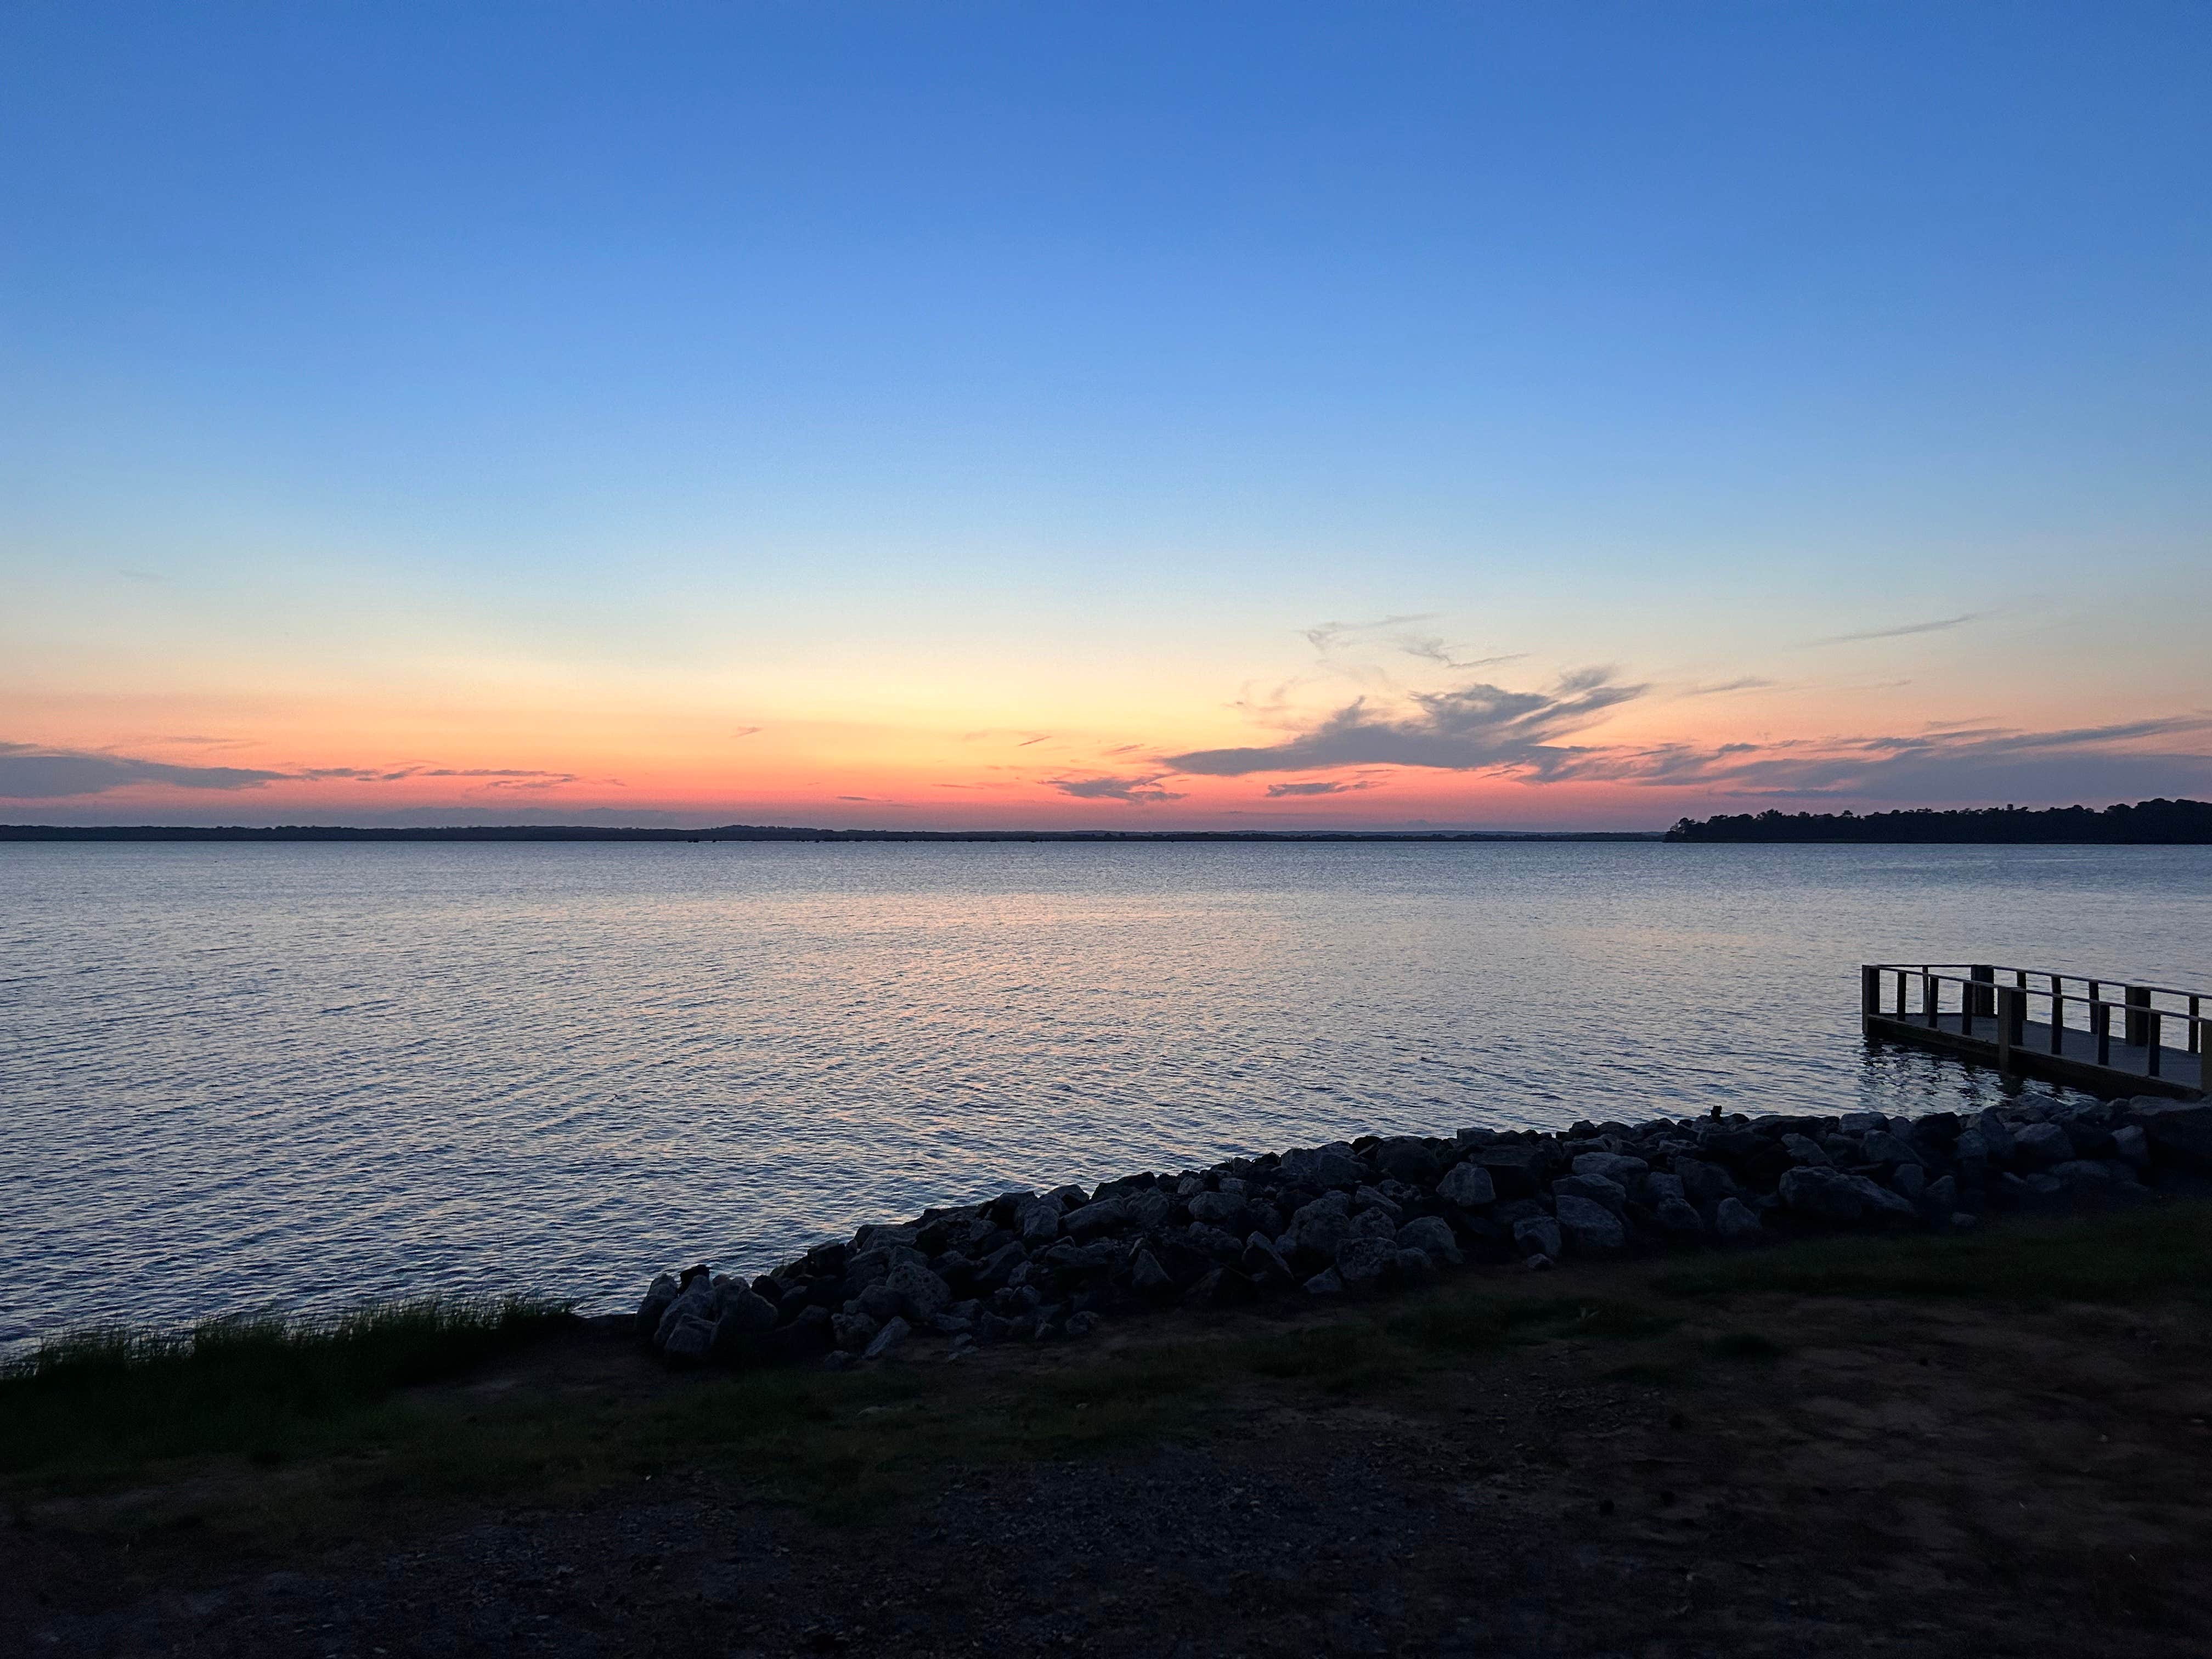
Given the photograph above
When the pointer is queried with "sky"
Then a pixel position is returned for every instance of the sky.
(1516, 415)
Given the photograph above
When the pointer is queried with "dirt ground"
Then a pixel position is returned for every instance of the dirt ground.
(1738, 1475)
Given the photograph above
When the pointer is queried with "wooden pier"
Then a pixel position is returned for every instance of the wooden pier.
(2103, 1035)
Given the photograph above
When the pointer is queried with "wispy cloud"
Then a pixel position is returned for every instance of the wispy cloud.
(1748, 683)
(1277, 790)
(1325, 637)
(748, 731)
(1432, 648)
(1935, 626)
(1477, 727)
(31, 772)
(2134, 757)
(28, 772)
(1137, 792)
(497, 774)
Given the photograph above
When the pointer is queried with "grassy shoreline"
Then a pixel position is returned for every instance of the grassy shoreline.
(1796, 1433)
(103, 1408)
(119, 1395)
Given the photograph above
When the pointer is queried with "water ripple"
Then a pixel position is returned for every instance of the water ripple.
(235, 1075)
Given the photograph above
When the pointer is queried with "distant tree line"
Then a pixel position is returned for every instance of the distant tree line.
(752, 832)
(2147, 822)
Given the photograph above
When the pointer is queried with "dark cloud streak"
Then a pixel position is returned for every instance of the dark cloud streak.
(1477, 727)
(1135, 791)
(1935, 626)
(30, 773)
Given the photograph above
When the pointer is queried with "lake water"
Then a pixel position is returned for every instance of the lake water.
(232, 1076)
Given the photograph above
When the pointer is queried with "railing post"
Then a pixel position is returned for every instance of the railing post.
(2138, 1028)
(1869, 993)
(1985, 1002)
(2012, 1014)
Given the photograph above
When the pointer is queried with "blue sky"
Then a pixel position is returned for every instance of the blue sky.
(546, 388)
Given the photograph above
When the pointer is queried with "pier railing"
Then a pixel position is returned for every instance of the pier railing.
(2156, 1021)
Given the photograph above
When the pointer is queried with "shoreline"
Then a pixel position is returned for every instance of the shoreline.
(742, 832)
(1990, 1443)
(1377, 1214)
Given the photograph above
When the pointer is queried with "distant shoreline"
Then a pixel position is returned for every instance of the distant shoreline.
(750, 832)
(2159, 822)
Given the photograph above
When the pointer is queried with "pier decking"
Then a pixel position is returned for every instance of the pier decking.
(2105, 1035)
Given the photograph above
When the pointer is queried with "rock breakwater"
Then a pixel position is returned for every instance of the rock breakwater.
(1378, 1213)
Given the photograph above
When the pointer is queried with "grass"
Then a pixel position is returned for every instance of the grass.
(271, 1429)
(255, 1385)
(2161, 1250)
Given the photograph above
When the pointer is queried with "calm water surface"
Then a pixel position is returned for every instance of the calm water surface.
(238, 1075)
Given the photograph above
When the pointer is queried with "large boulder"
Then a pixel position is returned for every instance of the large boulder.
(1216, 1209)
(1263, 1264)
(880, 1302)
(1883, 1147)
(1515, 1168)
(1404, 1158)
(1148, 1278)
(2040, 1145)
(2179, 1129)
(1150, 1210)
(1325, 1168)
(1361, 1263)
(2084, 1175)
(1432, 1237)
(1590, 1228)
(696, 1304)
(1538, 1235)
(1319, 1227)
(885, 1339)
(1616, 1167)
(884, 1238)
(1737, 1223)
(1880, 1201)
(1597, 1188)
(690, 1341)
(659, 1298)
(998, 1268)
(1223, 1246)
(743, 1309)
(1468, 1185)
(1803, 1149)
(1374, 1198)
(1704, 1182)
(1374, 1224)
(921, 1294)
(1094, 1220)
(1822, 1194)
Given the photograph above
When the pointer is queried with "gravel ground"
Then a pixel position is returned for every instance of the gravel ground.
(1906, 1478)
